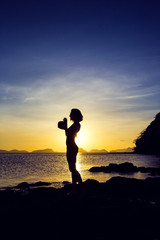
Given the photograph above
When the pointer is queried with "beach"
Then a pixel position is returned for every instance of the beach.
(120, 208)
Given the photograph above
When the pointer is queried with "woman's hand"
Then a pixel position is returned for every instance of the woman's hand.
(65, 122)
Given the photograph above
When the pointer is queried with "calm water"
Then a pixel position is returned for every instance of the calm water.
(52, 167)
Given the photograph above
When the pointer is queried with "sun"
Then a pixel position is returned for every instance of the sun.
(81, 138)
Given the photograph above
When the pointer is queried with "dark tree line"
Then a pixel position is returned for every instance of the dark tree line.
(148, 141)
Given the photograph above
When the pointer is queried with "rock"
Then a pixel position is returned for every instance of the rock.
(91, 182)
(37, 184)
(22, 185)
(66, 182)
(98, 169)
(123, 168)
(91, 185)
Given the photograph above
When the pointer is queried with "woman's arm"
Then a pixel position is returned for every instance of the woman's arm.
(65, 123)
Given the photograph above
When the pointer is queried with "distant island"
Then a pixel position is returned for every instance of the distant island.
(125, 150)
(47, 150)
(81, 150)
(98, 151)
(13, 151)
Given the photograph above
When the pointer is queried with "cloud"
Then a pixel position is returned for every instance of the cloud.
(97, 94)
(127, 97)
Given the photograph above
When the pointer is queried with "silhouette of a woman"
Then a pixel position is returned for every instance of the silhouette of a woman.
(72, 148)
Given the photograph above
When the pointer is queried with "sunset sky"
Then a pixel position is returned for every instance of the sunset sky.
(102, 57)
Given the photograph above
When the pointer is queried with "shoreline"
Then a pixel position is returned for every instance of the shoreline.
(120, 208)
(125, 169)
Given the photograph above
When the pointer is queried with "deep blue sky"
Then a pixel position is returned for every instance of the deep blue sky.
(44, 37)
(103, 56)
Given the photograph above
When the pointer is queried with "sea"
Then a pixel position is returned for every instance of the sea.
(16, 168)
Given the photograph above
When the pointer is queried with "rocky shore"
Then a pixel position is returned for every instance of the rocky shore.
(121, 208)
(126, 167)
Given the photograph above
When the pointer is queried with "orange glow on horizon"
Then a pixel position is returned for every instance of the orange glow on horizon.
(107, 135)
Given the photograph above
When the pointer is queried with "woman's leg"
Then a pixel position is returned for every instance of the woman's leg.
(76, 177)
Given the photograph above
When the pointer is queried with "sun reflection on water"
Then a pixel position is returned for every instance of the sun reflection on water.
(78, 162)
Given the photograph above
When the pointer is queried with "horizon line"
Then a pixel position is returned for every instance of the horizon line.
(81, 150)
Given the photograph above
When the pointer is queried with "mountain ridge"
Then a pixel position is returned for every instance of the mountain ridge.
(81, 150)
(46, 150)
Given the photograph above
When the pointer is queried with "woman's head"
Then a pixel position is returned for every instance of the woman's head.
(76, 115)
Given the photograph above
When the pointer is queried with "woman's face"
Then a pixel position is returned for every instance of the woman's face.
(70, 116)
